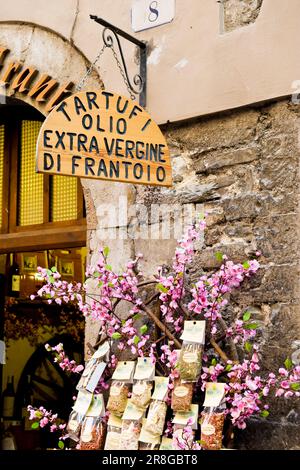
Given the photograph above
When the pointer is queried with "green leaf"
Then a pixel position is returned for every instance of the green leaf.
(116, 335)
(35, 425)
(248, 347)
(136, 339)
(110, 284)
(51, 279)
(162, 288)
(100, 283)
(264, 414)
(295, 386)
(251, 326)
(106, 251)
(53, 269)
(288, 363)
(246, 265)
(61, 444)
(246, 316)
(137, 316)
(49, 272)
(108, 267)
(214, 362)
(201, 216)
(143, 329)
(228, 367)
(219, 256)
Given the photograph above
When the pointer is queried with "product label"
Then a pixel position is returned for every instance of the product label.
(83, 402)
(101, 351)
(182, 417)
(8, 407)
(145, 370)
(95, 377)
(114, 421)
(132, 412)
(161, 388)
(190, 357)
(181, 391)
(208, 429)
(194, 331)
(112, 440)
(147, 436)
(214, 393)
(15, 282)
(96, 408)
(124, 371)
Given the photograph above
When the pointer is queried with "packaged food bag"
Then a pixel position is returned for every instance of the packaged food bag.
(131, 427)
(182, 396)
(113, 436)
(142, 382)
(78, 413)
(213, 416)
(93, 428)
(118, 396)
(190, 357)
(148, 440)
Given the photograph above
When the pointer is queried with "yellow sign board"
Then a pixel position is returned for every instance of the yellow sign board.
(102, 135)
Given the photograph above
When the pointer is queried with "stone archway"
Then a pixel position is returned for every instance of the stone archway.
(50, 54)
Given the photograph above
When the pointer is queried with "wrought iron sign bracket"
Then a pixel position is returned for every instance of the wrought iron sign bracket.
(111, 33)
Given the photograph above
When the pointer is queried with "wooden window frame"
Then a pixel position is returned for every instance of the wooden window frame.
(47, 235)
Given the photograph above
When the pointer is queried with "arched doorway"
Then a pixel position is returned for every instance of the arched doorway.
(42, 223)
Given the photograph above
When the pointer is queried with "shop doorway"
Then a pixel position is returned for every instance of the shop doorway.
(42, 223)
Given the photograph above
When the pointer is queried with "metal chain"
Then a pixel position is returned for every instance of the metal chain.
(90, 69)
(132, 96)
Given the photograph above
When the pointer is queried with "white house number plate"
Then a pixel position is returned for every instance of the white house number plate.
(147, 14)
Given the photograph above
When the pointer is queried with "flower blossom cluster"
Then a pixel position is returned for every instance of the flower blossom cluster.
(46, 418)
(62, 360)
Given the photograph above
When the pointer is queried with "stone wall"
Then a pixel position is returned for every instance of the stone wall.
(243, 167)
(238, 13)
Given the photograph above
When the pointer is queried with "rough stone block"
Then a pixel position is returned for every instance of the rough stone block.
(277, 238)
(220, 159)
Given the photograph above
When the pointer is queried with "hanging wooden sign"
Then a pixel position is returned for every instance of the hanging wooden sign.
(98, 134)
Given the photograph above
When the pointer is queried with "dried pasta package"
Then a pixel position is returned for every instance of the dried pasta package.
(130, 435)
(142, 383)
(93, 429)
(190, 358)
(118, 396)
(80, 409)
(147, 439)
(182, 396)
(131, 427)
(113, 436)
(156, 417)
(141, 393)
(212, 417)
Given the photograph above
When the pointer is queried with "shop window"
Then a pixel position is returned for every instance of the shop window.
(29, 201)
